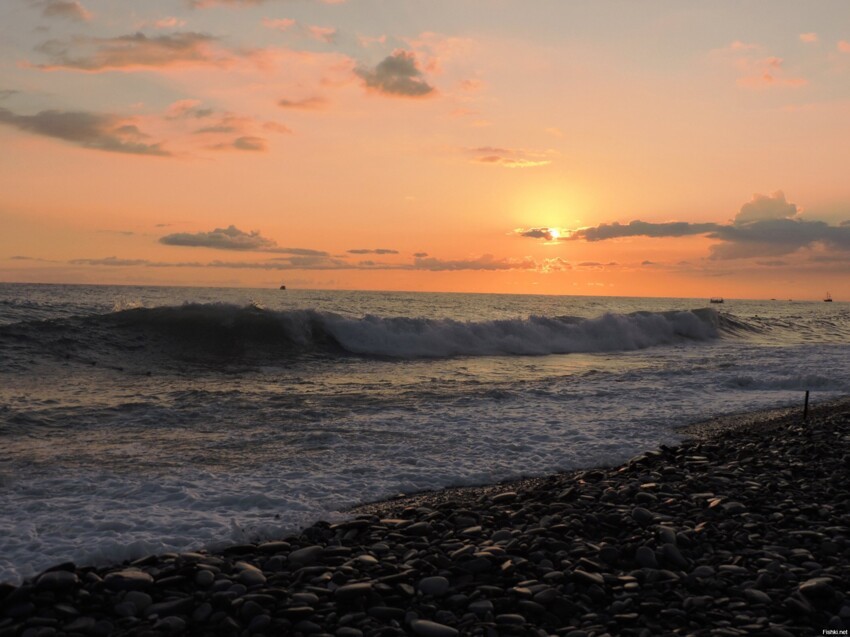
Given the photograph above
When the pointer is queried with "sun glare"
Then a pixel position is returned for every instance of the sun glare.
(554, 232)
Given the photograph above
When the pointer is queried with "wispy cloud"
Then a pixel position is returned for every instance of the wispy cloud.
(246, 142)
(510, 157)
(89, 130)
(809, 38)
(396, 75)
(305, 104)
(756, 68)
(372, 251)
(68, 9)
(135, 51)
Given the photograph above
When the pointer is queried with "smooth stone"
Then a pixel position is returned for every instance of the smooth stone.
(353, 591)
(170, 607)
(307, 599)
(57, 581)
(510, 618)
(426, 628)
(139, 599)
(588, 578)
(436, 586)
(128, 580)
(348, 631)
(817, 587)
(259, 623)
(642, 516)
(505, 498)
(125, 609)
(202, 613)
(756, 596)
(645, 557)
(251, 577)
(307, 555)
(734, 508)
(171, 624)
(703, 571)
(419, 528)
(204, 578)
(671, 554)
(481, 606)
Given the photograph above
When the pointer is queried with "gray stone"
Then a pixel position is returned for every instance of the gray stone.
(353, 591)
(307, 555)
(645, 557)
(436, 586)
(57, 581)
(426, 628)
(128, 580)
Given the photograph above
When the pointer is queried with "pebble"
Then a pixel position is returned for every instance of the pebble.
(738, 533)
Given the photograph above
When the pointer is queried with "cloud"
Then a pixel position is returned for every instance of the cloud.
(306, 104)
(616, 230)
(485, 262)
(372, 251)
(420, 254)
(756, 68)
(230, 238)
(323, 34)
(7, 93)
(246, 142)
(396, 75)
(206, 4)
(510, 157)
(537, 233)
(843, 46)
(304, 252)
(110, 261)
(282, 24)
(808, 38)
(89, 130)
(68, 9)
(134, 51)
(169, 22)
(187, 109)
(762, 207)
(765, 226)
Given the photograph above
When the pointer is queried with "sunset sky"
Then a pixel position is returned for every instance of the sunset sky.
(658, 148)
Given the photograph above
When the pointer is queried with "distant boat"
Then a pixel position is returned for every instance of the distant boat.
(716, 299)
(828, 298)
(282, 287)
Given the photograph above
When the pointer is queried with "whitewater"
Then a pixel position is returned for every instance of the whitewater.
(138, 420)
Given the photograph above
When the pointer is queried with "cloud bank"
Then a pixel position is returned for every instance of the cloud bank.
(89, 130)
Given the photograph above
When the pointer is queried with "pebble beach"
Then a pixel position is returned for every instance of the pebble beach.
(743, 529)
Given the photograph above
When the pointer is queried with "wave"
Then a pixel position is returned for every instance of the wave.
(199, 331)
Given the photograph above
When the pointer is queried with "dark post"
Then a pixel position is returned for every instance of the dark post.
(806, 406)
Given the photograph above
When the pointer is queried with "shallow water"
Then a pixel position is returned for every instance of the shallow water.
(137, 420)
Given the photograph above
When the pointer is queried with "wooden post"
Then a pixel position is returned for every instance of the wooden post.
(806, 406)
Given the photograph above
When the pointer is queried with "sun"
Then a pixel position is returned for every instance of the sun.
(554, 233)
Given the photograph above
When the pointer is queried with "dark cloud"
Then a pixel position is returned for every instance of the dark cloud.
(128, 51)
(110, 261)
(420, 254)
(536, 233)
(230, 238)
(617, 230)
(306, 104)
(372, 251)
(7, 93)
(485, 262)
(246, 142)
(304, 252)
(396, 75)
(68, 9)
(89, 130)
(766, 226)
(776, 237)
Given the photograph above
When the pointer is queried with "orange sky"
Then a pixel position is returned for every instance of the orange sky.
(655, 148)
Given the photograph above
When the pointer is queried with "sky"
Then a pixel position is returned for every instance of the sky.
(614, 147)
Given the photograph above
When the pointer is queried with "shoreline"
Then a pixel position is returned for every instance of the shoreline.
(731, 532)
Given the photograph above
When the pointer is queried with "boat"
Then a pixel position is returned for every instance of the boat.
(716, 299)
(282, 287)
(828, 298)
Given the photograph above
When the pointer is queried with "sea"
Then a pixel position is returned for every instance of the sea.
(140, 420)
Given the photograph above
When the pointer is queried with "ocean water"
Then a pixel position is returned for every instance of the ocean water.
(136, 420)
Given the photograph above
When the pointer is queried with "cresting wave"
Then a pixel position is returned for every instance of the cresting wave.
(197, 331)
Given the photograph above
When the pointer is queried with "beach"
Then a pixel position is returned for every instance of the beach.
(742, 529)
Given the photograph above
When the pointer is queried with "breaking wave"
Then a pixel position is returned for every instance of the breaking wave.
(197, 331)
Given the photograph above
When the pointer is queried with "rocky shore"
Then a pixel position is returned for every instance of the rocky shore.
(744, 530)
